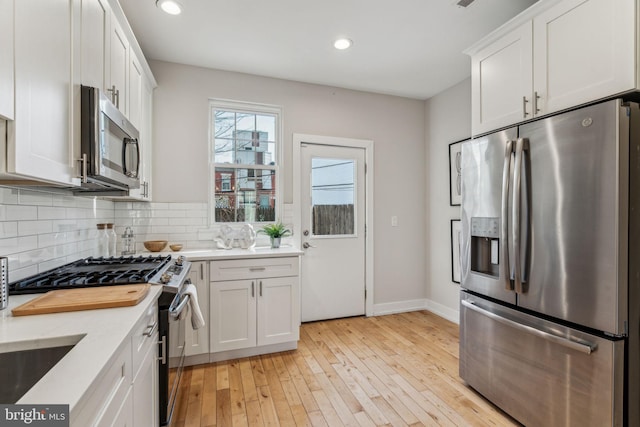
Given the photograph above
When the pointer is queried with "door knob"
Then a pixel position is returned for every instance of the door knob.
(306, 245)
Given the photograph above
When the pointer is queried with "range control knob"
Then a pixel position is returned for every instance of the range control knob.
(165, 278)
(180, 260)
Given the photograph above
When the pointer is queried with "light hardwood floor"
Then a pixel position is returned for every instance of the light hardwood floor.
(397, 370)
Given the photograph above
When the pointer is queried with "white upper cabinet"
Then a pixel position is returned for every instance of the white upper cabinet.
(554, 56)
(47, 50)
(501, 81)
(118, 67)
(135, 91)
(6, 59)
(41, 138)
(141, 115)
(583, 50)
(95, 28)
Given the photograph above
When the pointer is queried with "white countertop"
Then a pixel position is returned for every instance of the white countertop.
(235, 253)
(103, 332)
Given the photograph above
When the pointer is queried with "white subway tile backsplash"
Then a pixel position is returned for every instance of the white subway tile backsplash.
(35, 198)
(41, 230)
(45, 212)
(8, 229)
(30, 228)
(21, 213)
(8, 196)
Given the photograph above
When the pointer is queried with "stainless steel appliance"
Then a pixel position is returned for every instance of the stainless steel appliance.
(162, 270)
(549, 312)
(110, 148)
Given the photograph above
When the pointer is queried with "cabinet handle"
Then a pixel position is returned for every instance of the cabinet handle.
(260, 287)
(253, 289)
(536, 110)
(257, 268)
(112, 90)
(150, 329)
(201, 271)
(524, 107)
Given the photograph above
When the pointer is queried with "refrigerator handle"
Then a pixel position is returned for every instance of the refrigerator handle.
(505, 272)
(516, 212)
(583, 347)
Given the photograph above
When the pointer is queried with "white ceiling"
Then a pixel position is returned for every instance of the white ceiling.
(410, 48)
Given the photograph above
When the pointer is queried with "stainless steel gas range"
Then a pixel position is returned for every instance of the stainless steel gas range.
(160, 270)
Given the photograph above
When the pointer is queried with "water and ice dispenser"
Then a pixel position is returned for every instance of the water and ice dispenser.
(485, 246)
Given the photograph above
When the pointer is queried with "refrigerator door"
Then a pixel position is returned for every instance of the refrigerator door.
(486, 171)
(539, 372)
(577, 195)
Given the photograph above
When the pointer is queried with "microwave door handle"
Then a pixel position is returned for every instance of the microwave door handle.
(125, 150)
(504, 229)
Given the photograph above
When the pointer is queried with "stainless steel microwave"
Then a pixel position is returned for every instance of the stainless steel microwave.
(109, 144)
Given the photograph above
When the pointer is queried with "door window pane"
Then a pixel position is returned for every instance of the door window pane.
(332, 196)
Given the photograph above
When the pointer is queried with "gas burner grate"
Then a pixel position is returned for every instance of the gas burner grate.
(90, 272)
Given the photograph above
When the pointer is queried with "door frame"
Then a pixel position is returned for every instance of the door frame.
(367, 145)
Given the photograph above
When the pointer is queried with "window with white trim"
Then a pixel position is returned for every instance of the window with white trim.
(244, 160)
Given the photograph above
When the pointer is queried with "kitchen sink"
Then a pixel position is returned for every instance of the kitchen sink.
(23, 364)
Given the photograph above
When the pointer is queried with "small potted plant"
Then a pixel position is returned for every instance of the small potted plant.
(275, 231)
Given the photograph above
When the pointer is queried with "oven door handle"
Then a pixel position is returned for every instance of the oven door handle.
(175, 312)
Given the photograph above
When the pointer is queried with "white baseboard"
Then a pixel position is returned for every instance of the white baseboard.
(444, 311)
(399, 307)
(415, 305)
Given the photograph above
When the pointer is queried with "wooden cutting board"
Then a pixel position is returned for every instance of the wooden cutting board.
(84, 299)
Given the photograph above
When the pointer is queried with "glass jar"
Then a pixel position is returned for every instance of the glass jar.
(128, 242)
(113, 239)
(103, 241)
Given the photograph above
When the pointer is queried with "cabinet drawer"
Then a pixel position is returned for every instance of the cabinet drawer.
(144, 335)
(256, 268)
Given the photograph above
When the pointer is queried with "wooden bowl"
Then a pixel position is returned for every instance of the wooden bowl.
(155, 245)
(175, 247)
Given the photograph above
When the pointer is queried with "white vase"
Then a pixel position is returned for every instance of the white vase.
(275, 242)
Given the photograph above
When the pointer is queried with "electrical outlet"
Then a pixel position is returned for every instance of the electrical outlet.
(394, 221)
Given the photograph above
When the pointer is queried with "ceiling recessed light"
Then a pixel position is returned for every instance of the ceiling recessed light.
(342, 44)
(172, 7)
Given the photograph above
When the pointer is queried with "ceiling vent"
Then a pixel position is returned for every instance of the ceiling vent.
(464, 3)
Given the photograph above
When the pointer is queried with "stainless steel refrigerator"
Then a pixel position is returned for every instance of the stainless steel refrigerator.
(550, 264)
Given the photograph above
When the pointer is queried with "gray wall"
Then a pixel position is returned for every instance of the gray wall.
(448, 119)
(395, 124)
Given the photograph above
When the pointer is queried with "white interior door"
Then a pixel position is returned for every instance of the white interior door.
(333, 231)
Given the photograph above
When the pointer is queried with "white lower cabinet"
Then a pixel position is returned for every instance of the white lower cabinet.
(127, 393)
(197, 340)
(261, 307)
(145, 389)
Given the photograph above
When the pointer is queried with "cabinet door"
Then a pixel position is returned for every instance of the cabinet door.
(124, 415)
(146, 149)
(501, 82)
(6, 59)
(278, 310)
(118, 65)
(145, 390)
(135, 91)
(233, 315)
(95, 38)
(40, 143)
(198, 339)
(583, 51)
